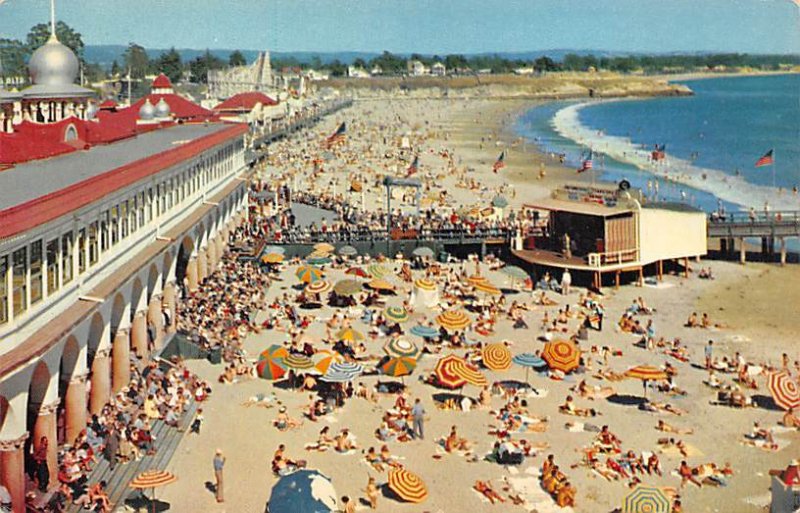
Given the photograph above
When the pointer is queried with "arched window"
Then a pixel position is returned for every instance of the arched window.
(70, 134)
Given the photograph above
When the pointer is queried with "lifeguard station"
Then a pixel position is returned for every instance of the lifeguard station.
(605, 228)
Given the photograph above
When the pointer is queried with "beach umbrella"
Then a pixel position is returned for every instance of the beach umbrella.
(153, 479)
(349, 335)
(338, 377)
(499, 202)
(377, 271)
(561, 355)
(380, 284)
(446, 372)
(303, 491)
(271, 368)
(407, 485)
(274, 351)
(423, 252)
(470, 374)
(323, 247)
(487, 288)
(784, 389)
(477, 279)
(274, 249)
(272, 258)
(645, 373)
(496, 357)
(453, 320)
(424, 331)
(324, 359)
(529, 360)
(425, 284)
(401, 347)
(348, 251)
(357, 271)
(347, 287)
(514, 272)
(308, 274)
(318, 287)
(318, 259)
(396, 314)
(298, 361)
(646, 499)
(347, 367)
(486, 212)
(399, 366)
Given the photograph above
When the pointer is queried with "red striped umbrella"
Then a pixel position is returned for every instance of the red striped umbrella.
(318, 287)
(562, 355)
(447, 374)
(784, 390)
(646, 373)
(496, 357)
(470, 374)
(274, 351)
(153, 479)
(407, 485)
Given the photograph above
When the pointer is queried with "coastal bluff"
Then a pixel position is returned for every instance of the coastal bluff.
(551, 86)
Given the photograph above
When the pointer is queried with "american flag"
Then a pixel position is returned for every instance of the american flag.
(500, 163)
(767, 160)
(339, 135)
(587, 163)
(414, 167)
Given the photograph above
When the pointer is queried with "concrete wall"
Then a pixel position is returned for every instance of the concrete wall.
(666, 234)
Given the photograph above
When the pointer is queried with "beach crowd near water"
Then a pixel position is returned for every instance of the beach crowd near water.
(419, 383)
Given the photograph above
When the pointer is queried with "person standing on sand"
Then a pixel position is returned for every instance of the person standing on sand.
(219, 464)
(709, 353)
(372, 493)
(418, 412)
(566, 281)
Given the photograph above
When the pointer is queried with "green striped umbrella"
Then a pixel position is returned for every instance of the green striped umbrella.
(377, 271)
(397, 347)
(399, 366)
(514, 272)
(646, 499)
(396, 314)
(348, 287)
(298, 361)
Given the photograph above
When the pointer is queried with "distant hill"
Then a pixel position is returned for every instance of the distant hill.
(106, 54)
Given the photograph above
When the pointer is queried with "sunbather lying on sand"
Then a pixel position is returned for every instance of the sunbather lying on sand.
(666, 428)
(485, 489)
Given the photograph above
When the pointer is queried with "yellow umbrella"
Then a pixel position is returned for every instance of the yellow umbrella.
(323, 247)
(453, 320)
(487, 288)
(380, 284)
(425, 284)
(349, 335)
(272, 258)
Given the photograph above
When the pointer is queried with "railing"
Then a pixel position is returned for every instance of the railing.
(782, 223)
(613, 257)
(382, 235)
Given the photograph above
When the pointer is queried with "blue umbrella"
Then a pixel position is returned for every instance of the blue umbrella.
(529, 360)
(338, 377)
(346, 368)
(424, 331)
(303, 491)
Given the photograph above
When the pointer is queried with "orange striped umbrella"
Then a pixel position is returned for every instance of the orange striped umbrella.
(645, 373)
(425, 284)
(477, 279)
(487, 288)
(153, 479)
(453, 320)
(785, 390)
(496, 357)
(319, 287)
(324, 358)
(562, 355)
(447, 374)
(407, 485)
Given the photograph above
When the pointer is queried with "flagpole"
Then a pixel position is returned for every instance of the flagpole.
(773, 169)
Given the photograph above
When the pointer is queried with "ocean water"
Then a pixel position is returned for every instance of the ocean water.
(712, 139)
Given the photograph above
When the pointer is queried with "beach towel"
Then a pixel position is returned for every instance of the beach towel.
(536, 499)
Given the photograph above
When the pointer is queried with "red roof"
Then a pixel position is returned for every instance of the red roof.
(161, 82)
(181, 107)
(51, 206)
(32, 141)
(244, 102)
(108, 104)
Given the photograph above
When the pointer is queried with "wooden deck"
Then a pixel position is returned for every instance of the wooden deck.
(558, 260)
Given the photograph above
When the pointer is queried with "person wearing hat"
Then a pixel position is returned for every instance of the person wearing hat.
(219, 464)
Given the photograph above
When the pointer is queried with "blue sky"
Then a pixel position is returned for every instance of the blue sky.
(426, 26)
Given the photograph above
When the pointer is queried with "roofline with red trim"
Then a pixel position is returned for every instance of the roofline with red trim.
(41, 210)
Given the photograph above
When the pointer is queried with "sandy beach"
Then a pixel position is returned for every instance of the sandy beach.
(458, 141)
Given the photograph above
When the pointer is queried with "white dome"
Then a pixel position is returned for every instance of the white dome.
(162, 109)
(147, 111)
(53, 64)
